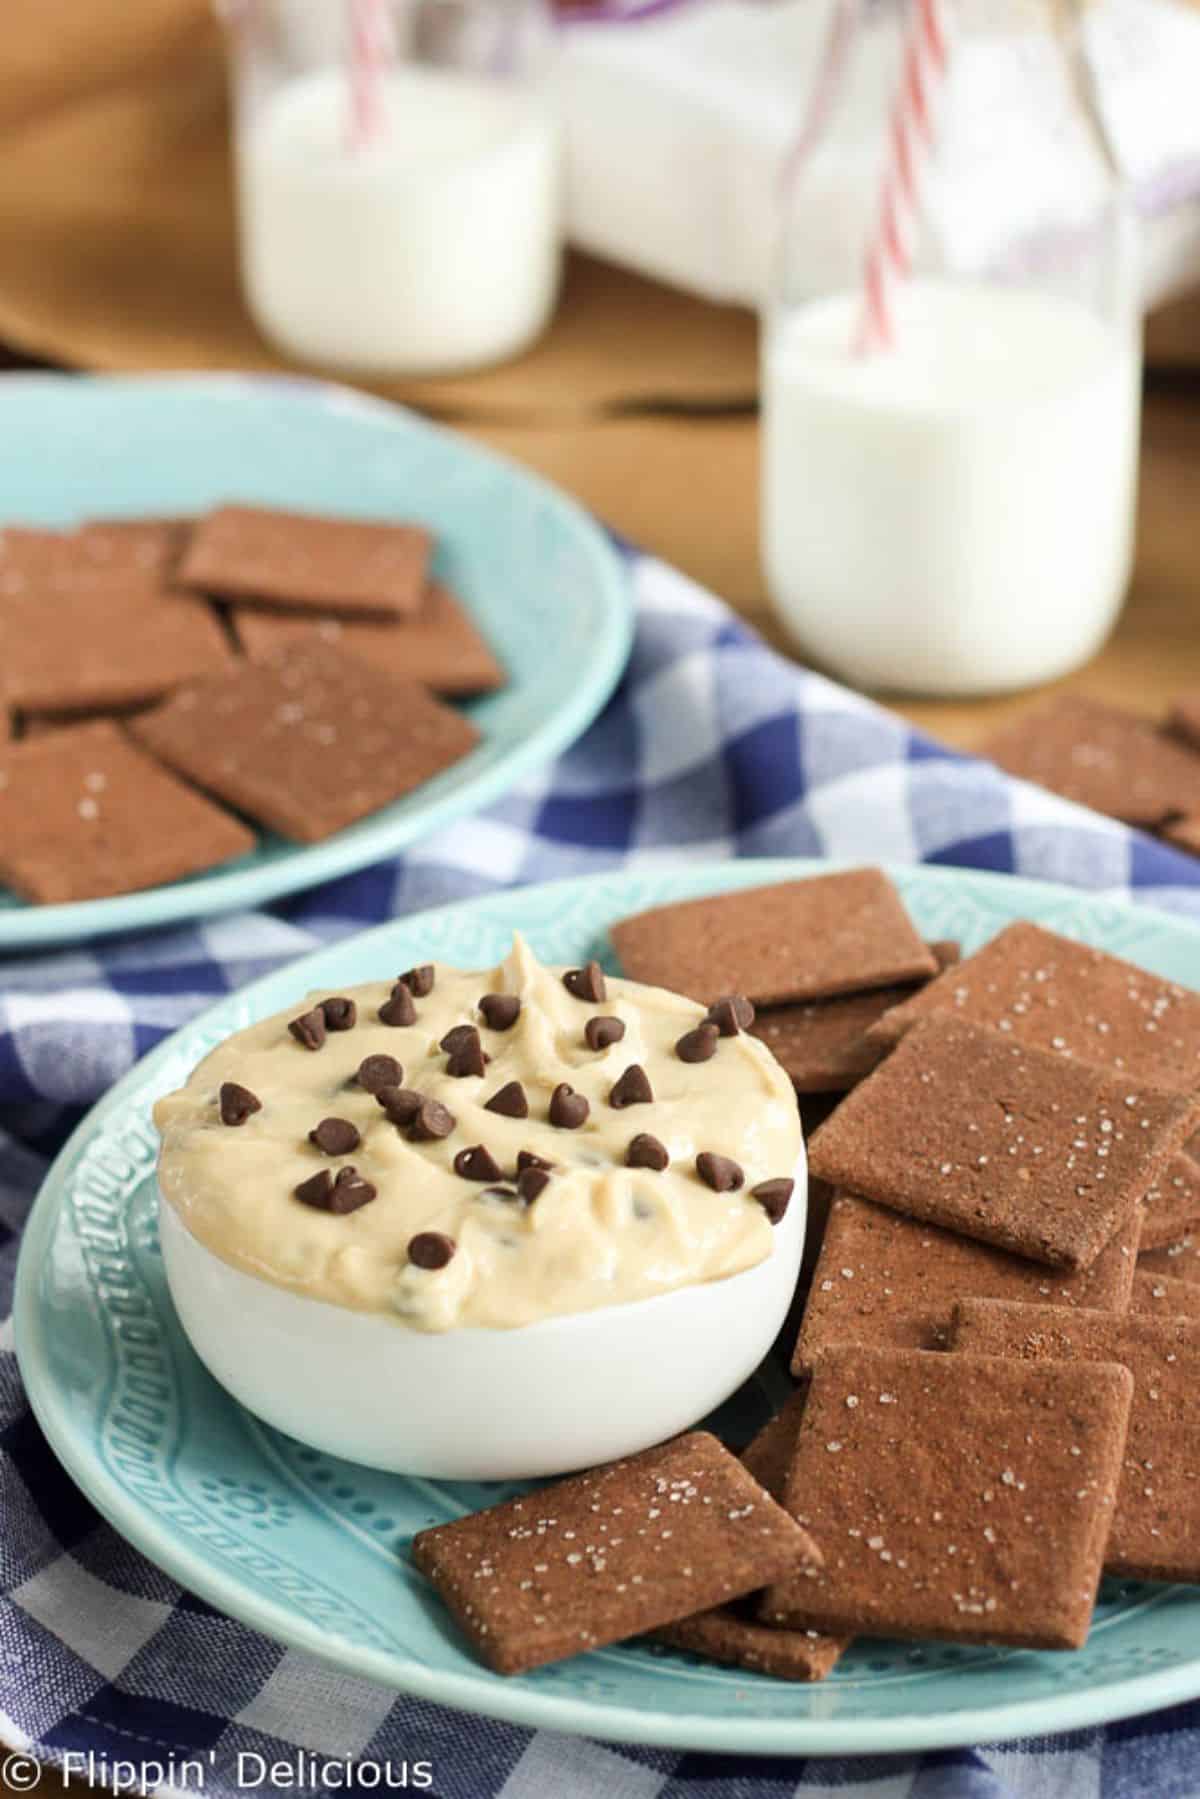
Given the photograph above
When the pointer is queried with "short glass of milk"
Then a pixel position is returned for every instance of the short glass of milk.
(429, 243)
(952, 512)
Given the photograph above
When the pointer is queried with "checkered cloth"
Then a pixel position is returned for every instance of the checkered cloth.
(712, 747)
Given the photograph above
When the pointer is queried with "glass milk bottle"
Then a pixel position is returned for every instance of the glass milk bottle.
(398, 179)
(951, 361)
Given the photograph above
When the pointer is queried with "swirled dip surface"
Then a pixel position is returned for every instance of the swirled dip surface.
(598, 1234)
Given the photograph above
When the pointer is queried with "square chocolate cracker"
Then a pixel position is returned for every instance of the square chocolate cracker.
(824, 1045)
(1049, 991)
(338, 565)
(104, 641)
(1156, 1523)
(1180, 1260)
(1184, 833)
(610, 1554)
(733, 1633)
(1015, 1146)
(955, 1496)
(1162, 1296)
(887, 1281)
(1184, 718)
(83, 814)
(439, 646)
(1171, 1207)
(800, 940)
(726, 1635)
(1102, 757)
(307, 742)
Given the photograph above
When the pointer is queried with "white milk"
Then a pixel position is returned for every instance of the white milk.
(955, 515)
(436, 249)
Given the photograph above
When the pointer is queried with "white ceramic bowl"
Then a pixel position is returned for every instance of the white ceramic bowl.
(481, 1404)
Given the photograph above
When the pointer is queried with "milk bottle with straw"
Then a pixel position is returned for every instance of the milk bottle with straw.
(398, 175)
(951, 370)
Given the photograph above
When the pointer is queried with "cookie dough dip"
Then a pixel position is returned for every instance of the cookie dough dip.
(525, 1174)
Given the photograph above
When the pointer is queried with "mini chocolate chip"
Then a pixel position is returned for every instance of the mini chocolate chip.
(340, 1014)
(377, 1072)
(398, 1009)
(237, 1103)
(349, 1191)
(341, 1194)
(468, 1058)
(419, 981)
(430, 1249)
(731, 1013)
(309, 1028)
(632, 1088)
(400, 1103)
(508, 1193)
(699, 1045)
(568, 1109)
(456, 1036)
(646, 1151)
(527, 1159)
(500, 1010)
(432, 1120)
(336, 1136)
(587, 983)
(477, 1164)
(315, 1191)
(531, 1182)
(721, 1173)
(509, 1101)
(773, 1197)
(600, 1031)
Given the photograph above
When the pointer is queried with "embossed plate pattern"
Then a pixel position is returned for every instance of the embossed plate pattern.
(537, 573)
(312, 1551)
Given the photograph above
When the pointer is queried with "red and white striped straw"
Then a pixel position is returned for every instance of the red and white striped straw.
(370, 52)
(912, 133)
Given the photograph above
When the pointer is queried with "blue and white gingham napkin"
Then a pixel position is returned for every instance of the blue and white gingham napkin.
(713, 746)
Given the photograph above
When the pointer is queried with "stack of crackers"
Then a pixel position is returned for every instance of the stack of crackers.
(1143, 771)
(167, 685)
(998, 1362)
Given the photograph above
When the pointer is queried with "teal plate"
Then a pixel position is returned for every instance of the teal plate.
(541, 579)
(313, 1551)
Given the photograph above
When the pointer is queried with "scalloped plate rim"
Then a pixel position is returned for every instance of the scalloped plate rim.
(482, 1692)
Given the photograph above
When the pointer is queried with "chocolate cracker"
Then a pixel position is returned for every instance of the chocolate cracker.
(609, 1554)
(1180, 1260)
(1162, 1296)
(956, 1496)
(307, 742)
(104, 641)
(800, 940)
(725, 1636)
(1183, 720)
(1155, 1531)
(439, 645)
(1015, 1146)
(1184, 833)
(886, 1281)
(83, 815)
(1102, 757)
(339, 565)
(1049, 991)
(1171, 1206)
(733, 1633)
(769, 1453)
(824, 1046)
(136, 546)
